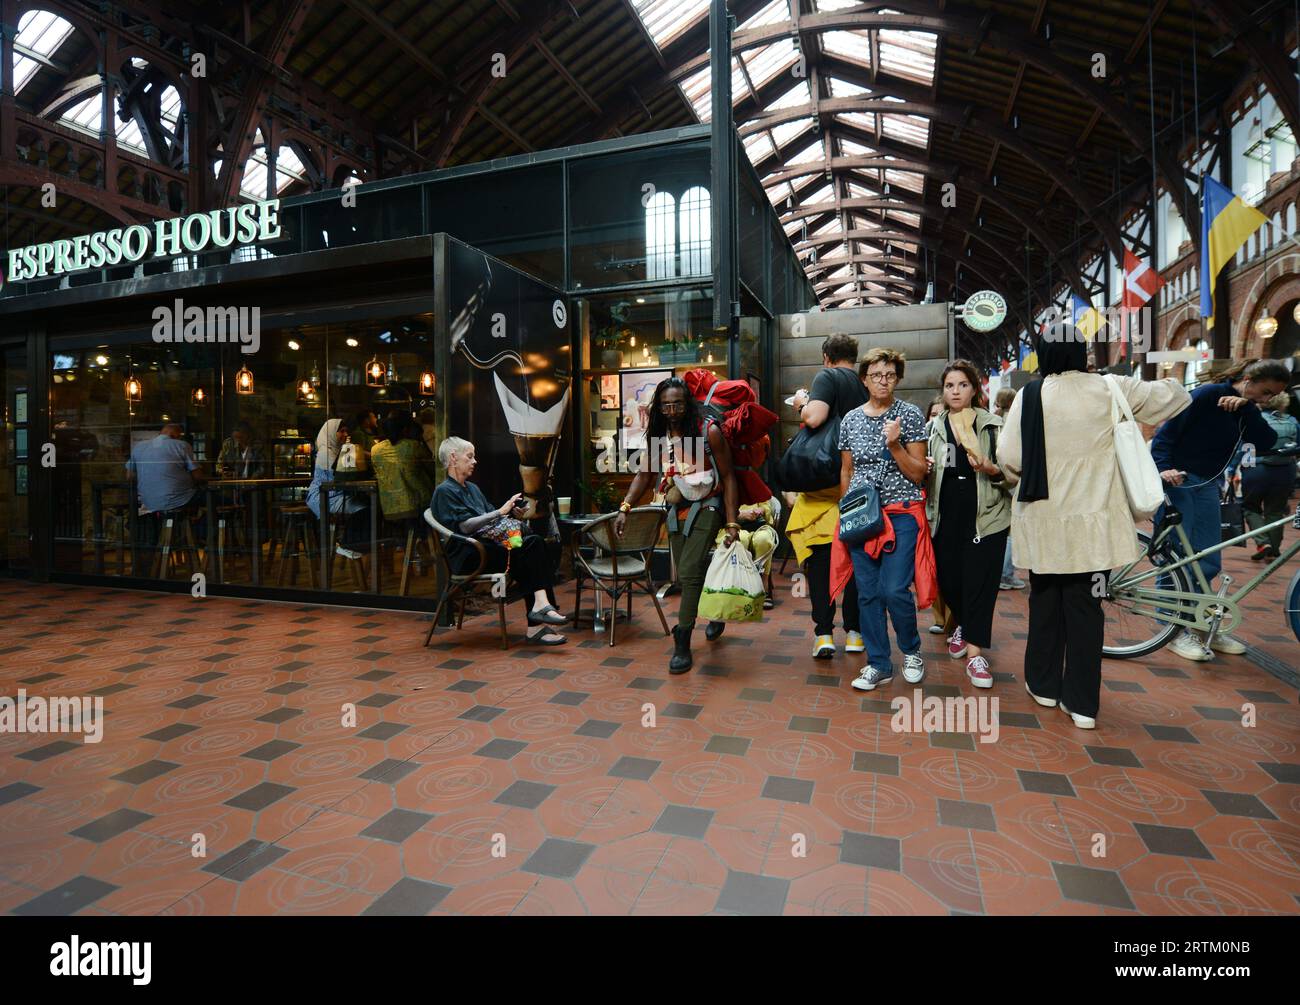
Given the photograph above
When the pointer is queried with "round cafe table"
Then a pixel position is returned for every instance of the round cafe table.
(573, 525)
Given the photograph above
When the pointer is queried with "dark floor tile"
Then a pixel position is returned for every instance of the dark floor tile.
(719, 744)
(1172, 673)
(880, 764)
(279, 715)
(959, 813)
(597, 728)
(525, 795)
(952, 741)
(1238, 804)
(617, 662)
(779, 660)
(374, 675)
(144, 772)
(877, 706)
(809, 724)
(640, 768)
(66, 899)
(246, 861)
(1262, 697)
(1116, 757)
(756, 694)
(408, 898)
(748, 893)
(1217, 714)
(271, 750)
(481, 713)
(292, 666)
(559, 858)
(500, 749)
(110, 826)
(684, 821)
(871, 850)
(382, 730)
(1127, 686)
(378, 700)
(1174, 734)
(374, 656)
(48, 750)
(259, 797)
(1048, 782)
(192, 701)
(546, 673)
(681, 710)
(1021, 720)
(1172, 841)
(1092, 886)
(467, 686)
(397, 825)
(203, 678)
(715, 671)
(170, 732)
(389, 770)
(822, 680)
(1288, 774)
(790, 790)
(16, 790)
(40, 678)
(940, 691)
(287, 688)
(569, 698)
(647, 683)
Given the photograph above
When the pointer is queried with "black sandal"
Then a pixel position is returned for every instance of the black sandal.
(541, 638)
(544, 616)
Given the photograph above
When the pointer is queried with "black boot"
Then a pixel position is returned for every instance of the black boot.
(714, 629)
(681, 661)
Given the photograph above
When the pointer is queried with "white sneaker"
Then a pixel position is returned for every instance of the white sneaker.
(1045, 702)
(1014, 583)
(1226, 644)
(977, 669)
(935, 629)
(823, 647)
(913, 668)
(871, 678)
(1189, 646)
(854, 643)
(1082, 721)
(346, 552)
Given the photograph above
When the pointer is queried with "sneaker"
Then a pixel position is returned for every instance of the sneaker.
(1082, 721)
(1189, 646)
(871, 678)
(346, 552)
(1229, 646)
(823, 647)
(956, 644)
(854, 643)
(977, 669)
(1045, 702)
(913, 668)
(1013, 583)
(1261, 553)
(935, 629)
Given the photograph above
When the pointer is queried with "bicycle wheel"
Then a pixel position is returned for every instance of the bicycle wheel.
(1133, 625)
(1293, 605)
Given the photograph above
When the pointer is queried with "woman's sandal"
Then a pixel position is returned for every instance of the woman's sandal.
(547, 615)
(547, 637)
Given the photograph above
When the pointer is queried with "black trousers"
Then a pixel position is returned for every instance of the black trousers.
(530, 566)
(1266, 494)
(968, 579)
(817, 571)
(1066, 628)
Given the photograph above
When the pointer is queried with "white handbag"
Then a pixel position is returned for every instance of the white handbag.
(1137, 468)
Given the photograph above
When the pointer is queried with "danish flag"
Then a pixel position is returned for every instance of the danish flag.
(1140, 281)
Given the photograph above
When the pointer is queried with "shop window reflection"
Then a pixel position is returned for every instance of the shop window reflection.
(661, 237)
(694, 232)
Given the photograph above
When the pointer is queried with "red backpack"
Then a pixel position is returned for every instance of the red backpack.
(744, 424)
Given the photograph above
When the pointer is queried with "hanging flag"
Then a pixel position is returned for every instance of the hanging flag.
(1086, 317)
(1140, 282)
(1226, 223)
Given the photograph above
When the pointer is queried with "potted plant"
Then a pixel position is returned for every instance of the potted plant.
(600, 495)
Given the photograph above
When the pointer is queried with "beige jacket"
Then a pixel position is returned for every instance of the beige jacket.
(1084, 525)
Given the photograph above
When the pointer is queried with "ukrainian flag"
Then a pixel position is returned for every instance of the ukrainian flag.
(1226, 223)
(1086, 317)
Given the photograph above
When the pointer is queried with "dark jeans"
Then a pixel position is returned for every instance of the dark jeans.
(1199, 505)
(1266, 492)
(1066, 627)
(352, 530)
(884, 584)
(817, 573)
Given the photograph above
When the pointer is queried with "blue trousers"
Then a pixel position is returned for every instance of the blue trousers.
(884, 585)
(1200, 508)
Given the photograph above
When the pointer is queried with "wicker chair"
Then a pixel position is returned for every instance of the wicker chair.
(620, 565)
(457, 586)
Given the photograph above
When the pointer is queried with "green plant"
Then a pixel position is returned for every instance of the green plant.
(600, 495)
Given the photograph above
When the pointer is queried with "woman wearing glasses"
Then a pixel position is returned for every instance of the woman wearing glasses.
(695, 460)
(883, 443)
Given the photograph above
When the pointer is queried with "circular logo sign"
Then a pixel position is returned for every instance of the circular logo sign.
(558, 314)
(984, 311)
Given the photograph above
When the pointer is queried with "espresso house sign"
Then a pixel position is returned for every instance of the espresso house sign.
(247, 223)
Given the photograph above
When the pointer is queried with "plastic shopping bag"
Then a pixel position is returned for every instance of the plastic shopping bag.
(733, 588)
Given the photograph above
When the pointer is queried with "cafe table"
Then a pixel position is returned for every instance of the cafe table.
(574, 524)
(254, 487)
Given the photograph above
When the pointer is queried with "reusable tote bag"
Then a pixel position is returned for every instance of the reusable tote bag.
(1137, 468)
(733, 588)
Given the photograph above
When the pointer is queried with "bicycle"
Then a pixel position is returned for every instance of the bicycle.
(1140, 618)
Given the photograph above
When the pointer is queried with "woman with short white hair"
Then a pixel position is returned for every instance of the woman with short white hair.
(459, 505)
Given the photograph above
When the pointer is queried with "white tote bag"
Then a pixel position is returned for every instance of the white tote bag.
(1137, 468)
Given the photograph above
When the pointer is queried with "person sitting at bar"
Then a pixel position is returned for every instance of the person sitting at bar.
(351, 506)
(166, 475)
(459, 505)
(363, 428)
(240, 457)
(403, 470)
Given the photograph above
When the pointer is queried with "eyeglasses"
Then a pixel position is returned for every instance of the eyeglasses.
(672, 406)
(882, 378)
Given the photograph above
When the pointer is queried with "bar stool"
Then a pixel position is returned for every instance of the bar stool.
(183, 545)
(299, 539)
(355, 565)
(414, 538)
(117, 512)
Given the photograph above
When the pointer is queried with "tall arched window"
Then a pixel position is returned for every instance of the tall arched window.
(661, 237)
(695, 229)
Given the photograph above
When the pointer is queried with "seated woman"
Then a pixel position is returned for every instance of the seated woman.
(352, 507)
(459, 505)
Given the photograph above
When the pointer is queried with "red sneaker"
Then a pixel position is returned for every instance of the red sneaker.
(957, 645)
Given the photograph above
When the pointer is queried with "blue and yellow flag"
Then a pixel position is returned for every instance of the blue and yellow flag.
(1086, 317)
(1226, 223)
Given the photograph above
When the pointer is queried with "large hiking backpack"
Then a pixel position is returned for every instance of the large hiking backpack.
(744, 424)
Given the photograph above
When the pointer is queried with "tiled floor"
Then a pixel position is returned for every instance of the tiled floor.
(269, 758)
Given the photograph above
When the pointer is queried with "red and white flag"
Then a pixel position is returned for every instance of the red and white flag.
(1140, 281)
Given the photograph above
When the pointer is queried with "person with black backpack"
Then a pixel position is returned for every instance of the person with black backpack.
(836, 391)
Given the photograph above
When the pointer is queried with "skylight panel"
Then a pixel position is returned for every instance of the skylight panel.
(908, 54)
(812, 152)
(800, 94)
(854, 46)
(853, 148)
(773, 13)
(766, 62)
(913, 129)
(666, 19)
(832, 227)
(759, 147)
(43, 33)
(843, 89)
(863, 120)
(787, 131)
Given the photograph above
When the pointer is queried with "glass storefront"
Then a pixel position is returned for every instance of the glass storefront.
(18, 452)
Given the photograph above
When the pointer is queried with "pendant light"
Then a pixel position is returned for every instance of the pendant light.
(244, 380)
(315, 375)
(199, 397)
(1266, 326)
(376, 374)
(134, 390)
(392, 371)
(428, 384)
(305, 391)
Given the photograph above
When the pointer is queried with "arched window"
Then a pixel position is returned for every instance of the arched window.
(661, 237)
(694, 228)
(1194, 366)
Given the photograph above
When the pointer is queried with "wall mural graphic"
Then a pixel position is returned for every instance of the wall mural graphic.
(511, 375)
